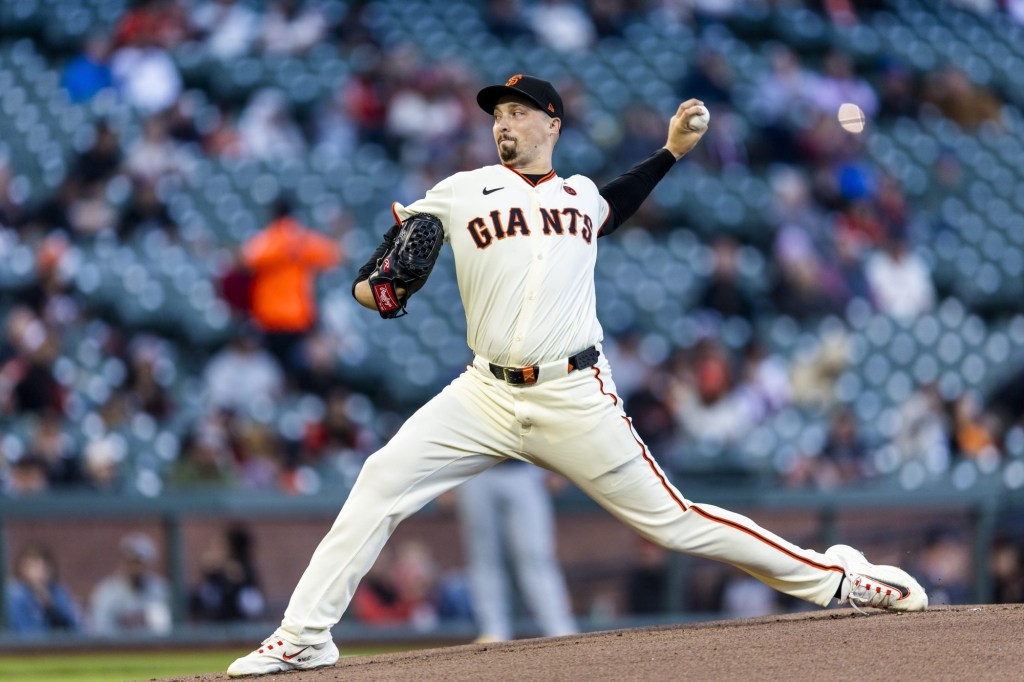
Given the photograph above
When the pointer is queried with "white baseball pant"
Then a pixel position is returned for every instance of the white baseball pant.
(573, 424)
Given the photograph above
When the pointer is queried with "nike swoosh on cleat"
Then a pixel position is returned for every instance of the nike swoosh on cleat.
(491, 191)
(288, 658)
(902, 589)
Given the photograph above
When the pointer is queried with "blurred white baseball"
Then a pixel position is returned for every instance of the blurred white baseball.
(851, 117)
(699, 121)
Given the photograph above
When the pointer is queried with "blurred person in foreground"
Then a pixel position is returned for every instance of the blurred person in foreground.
(135, 598)
(539, 389)
(508, 524)
(36, 601)
(285, 258)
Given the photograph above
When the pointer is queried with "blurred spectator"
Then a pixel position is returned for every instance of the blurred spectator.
(609, 17)
(91, 212)
(163, 23)
(229, 588)
(242, 375)
(285, 258)
(764, 387)
(35, 390)
(801, 288)
(136, 597)
(853, 280)
(814, 374)
(708, 408)
(724, 146)
(227, 28)
(838, 84)
(52, 212)
(401, 589)
(146, 76)
(647, 579)
(27, 477)
(292, 27)
(145, 213)
(745, 597)
(900, 280)
(365, 97)
(1007, 570)
(710, 79)
(267, 128)
(944, 568)
(424, 116)
(36, 601)
(724, 293)
(51, 445)
(181, 120)
(925, 430)
(145, 391)
(844, 458)
(652, 416)
(860, 225)
(897, 92)
(89, 73)
(205, 460)
(974, 432)
(222, 138)
(783, 92)
(562, 25)
(235, 284)
(1006, 400)
(262, 461)
(505, 19)
(338, 436)
(102, 160)
(102, 459)
(11, 211)
(953, 95)
(156, 156)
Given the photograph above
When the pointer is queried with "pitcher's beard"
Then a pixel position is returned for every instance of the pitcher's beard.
(508, 153)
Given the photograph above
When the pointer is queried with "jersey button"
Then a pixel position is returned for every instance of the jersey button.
(540, 256)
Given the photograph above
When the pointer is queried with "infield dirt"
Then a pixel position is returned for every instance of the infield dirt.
(944, 643)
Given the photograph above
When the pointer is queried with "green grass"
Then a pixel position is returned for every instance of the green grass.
(120, 666)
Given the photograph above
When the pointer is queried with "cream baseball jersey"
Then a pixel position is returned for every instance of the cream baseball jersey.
(513, 241)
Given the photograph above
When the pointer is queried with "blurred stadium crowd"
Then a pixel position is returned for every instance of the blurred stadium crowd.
(794, 305)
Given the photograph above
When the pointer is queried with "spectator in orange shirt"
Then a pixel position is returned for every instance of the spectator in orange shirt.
(284, 258)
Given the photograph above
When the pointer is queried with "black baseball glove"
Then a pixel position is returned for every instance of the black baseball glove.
(407, 264)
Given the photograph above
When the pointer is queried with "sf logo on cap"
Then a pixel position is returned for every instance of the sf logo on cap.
(513, 80)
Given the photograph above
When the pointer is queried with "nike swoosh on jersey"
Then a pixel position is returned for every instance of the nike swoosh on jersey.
(288, 658)
(491, 191)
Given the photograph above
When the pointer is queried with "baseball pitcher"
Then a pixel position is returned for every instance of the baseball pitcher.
(539, 389)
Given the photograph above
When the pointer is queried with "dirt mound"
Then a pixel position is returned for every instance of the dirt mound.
(945, 643)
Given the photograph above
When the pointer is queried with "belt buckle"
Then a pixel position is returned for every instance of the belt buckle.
(519, 377)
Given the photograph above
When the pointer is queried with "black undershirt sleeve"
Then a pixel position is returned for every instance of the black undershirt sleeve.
(625, 193)
(370, 265)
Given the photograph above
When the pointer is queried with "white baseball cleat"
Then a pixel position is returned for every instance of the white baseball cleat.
(876, 586)
(278, 655)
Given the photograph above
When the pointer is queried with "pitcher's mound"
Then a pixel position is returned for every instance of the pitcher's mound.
(944, 643)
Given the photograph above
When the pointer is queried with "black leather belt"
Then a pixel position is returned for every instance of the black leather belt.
(518, 376)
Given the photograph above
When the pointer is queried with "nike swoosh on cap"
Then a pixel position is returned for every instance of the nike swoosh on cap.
(491, 191)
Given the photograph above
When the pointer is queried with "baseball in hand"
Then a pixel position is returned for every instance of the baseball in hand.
(699, 121)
